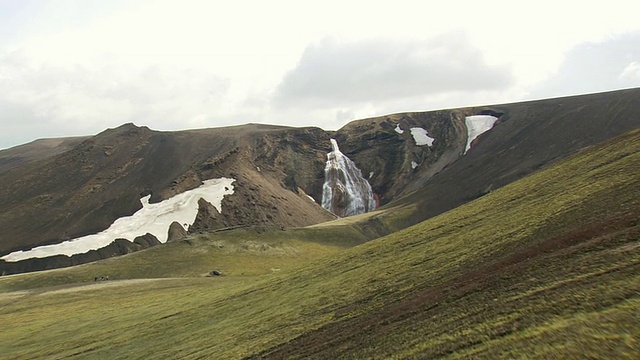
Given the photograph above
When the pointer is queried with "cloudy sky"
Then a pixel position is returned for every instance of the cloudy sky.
(77, 67)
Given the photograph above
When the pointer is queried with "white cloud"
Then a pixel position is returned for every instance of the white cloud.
(595, 66)
(76, 98)
(334, 73)
(345, 115)
(630, 71)
(71, 67)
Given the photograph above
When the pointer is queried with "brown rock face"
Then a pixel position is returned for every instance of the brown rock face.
(117, 247)
(207, 219)
(385, 156)
(146, 241)
(176, 232)
(187, 181)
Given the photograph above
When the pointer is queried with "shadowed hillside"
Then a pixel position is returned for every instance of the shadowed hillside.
(528, 136)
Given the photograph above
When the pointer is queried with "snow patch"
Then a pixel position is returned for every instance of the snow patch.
(398, 129)
(370, 175)
(421, 136)
(152, 218)
(414, 164)
(310, 198)
(477, 125)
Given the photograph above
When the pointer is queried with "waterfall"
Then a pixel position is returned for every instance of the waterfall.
(345, 192)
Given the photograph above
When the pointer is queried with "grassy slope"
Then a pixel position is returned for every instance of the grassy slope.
(546, 266)
(240, 252)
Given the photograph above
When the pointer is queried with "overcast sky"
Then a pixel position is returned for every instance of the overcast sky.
(78, 67)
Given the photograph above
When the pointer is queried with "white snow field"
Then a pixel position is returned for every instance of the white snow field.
(476, 125)
(398, 129)
(152, 218)
(421, 137)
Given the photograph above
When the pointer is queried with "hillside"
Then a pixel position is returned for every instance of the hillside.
(36, 150)
(528, 136)
(546, 266)
(82, 188)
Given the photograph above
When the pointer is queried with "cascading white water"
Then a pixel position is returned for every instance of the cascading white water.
(345, 192)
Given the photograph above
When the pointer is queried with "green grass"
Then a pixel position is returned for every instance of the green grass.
(546, 267)
(237, 253)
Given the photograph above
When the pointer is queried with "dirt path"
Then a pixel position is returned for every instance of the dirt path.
(70, 288)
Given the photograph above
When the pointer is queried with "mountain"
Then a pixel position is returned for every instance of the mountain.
(36, 150)
(417, 161)
(83, 190)
(546, 266)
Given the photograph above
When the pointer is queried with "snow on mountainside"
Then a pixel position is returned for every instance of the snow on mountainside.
(476, 126)
(421, 137)
(152, 218)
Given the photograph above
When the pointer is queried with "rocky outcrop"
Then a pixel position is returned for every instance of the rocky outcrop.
(176, 232)
(207, 219)
(115, 248)
(146, 241)
(295, 157)
(187, 181)
(385, 150)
